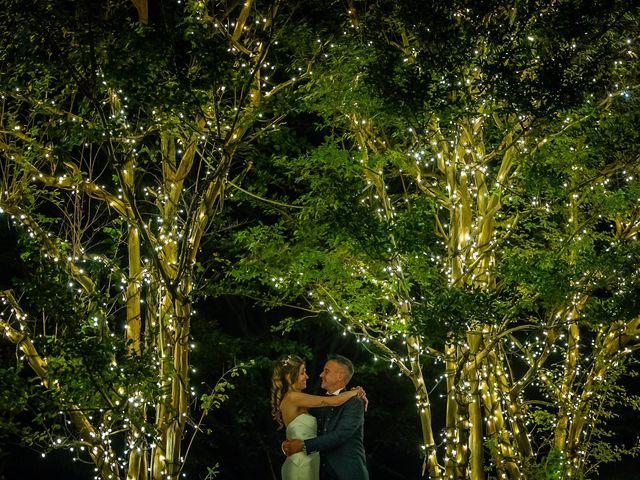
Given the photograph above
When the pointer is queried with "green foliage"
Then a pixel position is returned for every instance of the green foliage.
(212, 472)
(344, 208)
(554, 465)
(220, 391)
(400, 91)
(443, 312)
(14, 399)
(86, 368)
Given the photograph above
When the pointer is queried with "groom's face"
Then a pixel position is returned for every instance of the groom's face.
(333, 376)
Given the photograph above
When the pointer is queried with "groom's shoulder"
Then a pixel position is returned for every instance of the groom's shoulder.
(354, 403)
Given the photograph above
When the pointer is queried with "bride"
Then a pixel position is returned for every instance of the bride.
(290, 408)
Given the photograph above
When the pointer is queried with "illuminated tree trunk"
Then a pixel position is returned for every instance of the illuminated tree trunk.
(424, 411)
(611, 350)
(468, 163)
(142, 6)
(413, 368)
(99, 450)
(171, 409)
(576, 398)
(476, 443)
(169, 173)
(496, 388)
(569, 386)
(470, 236)
(454, 463)
(566, 389)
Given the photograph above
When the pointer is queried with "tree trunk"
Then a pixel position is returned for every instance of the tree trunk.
(424, 410)
(476, 443)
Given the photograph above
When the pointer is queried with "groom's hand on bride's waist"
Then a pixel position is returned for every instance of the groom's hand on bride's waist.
(289, 447)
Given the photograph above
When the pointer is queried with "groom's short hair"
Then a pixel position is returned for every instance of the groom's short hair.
(344, 362)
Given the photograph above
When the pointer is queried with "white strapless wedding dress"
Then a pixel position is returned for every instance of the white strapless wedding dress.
(301, 466)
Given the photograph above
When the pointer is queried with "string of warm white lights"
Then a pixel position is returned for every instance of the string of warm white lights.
(475, 193)
(464, 166)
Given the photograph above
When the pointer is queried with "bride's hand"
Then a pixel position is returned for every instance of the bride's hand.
(362, 395)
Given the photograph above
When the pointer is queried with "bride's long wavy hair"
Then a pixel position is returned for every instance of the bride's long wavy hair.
(285, 372)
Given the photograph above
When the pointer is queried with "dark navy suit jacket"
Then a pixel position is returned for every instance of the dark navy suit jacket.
(340, 440)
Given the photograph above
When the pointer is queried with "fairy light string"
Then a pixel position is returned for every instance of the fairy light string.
(164, 213)
(479, 371)
(451, 162)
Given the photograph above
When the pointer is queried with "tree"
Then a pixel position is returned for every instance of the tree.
(122, 127)
(457, 212)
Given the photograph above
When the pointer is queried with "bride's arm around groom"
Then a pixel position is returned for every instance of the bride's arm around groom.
(340, 429)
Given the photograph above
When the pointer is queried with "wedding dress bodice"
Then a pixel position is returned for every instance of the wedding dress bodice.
(304, 426)
(301, 466)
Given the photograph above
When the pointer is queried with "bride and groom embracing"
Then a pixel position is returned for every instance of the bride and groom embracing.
(322, 443)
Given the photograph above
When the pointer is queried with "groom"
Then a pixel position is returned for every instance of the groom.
(339, 439)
